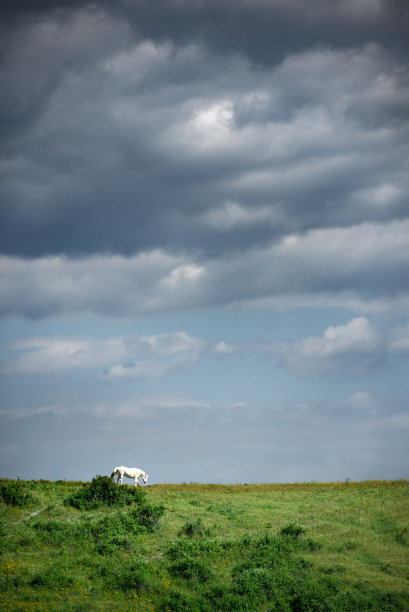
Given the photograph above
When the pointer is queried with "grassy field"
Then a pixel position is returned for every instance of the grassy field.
(312, 546)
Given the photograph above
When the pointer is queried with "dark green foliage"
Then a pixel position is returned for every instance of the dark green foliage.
(54, 577)
(273, 573)
(223, 600)
(292, 531)
(134, 575)
(224, 510)
(3, 533)
(189, 558)
(191, 569)
(402, 536)
(54, 532)
(14, 493)
(366, 599)
(108, 534)
(147, 515)
(176, 601)
(193, 548)
(9, 582)
(273, 576)
(103, 491)
(114, 532)
(194, 528)
(63, 533)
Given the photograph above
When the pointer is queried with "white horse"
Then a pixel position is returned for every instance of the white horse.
(134, 473)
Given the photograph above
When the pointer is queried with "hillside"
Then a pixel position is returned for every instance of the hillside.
(312, 546)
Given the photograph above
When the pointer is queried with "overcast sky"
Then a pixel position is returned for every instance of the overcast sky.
(204, 239)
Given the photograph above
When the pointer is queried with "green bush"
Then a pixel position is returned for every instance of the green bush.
(110, 533)
(53, 532)
(369, 599)
(134, 575)
(54, 577)
(194, 548)
(190, 568)
(3, 531)
(14, 493)
(103, 491)
(147, 516)
(292, 531)
(223, 600)
(176, 601)
(271, 572)
(194, 528)
(402, 536)
(114, 532)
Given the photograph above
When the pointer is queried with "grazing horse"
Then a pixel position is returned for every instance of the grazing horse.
(134, 473)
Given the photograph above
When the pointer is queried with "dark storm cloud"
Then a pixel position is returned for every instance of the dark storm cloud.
(185, 133)
(261, 29)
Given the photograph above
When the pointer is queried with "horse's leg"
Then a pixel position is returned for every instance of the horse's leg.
(136, 481)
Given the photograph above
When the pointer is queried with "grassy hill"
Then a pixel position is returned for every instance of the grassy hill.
(302, 547)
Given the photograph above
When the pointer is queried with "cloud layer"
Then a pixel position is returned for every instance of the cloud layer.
(361, 266)
(349, 438)
(351, 350)
(120, 139)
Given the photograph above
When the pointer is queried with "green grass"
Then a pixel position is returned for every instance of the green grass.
(313, 546)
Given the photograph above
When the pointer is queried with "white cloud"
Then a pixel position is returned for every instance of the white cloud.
(126, 358)
(175, 343)
(56, 354)
(224, 348)
(183, 276)
(352, 349)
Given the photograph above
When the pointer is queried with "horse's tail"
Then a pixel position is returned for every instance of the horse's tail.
(114, 472)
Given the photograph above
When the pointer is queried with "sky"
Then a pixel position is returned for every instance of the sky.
(204, 239)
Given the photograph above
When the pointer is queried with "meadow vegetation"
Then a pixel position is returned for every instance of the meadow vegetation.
(299, 547)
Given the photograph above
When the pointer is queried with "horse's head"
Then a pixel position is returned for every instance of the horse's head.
(145, 477)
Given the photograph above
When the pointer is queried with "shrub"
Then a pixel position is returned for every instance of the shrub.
(54, 577)
(113, 532)
(133, 575)
(191, 569)
(110, 533)
(147, 516)
(14, 493)
(402, 536)
(176, 601)
(103, 491)
(253, 584)
(53, 532)
(270, 572)
(194, 528)
(370, 599)
(223, 599)
(194, 548)
(292, 531)
(3, 530)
